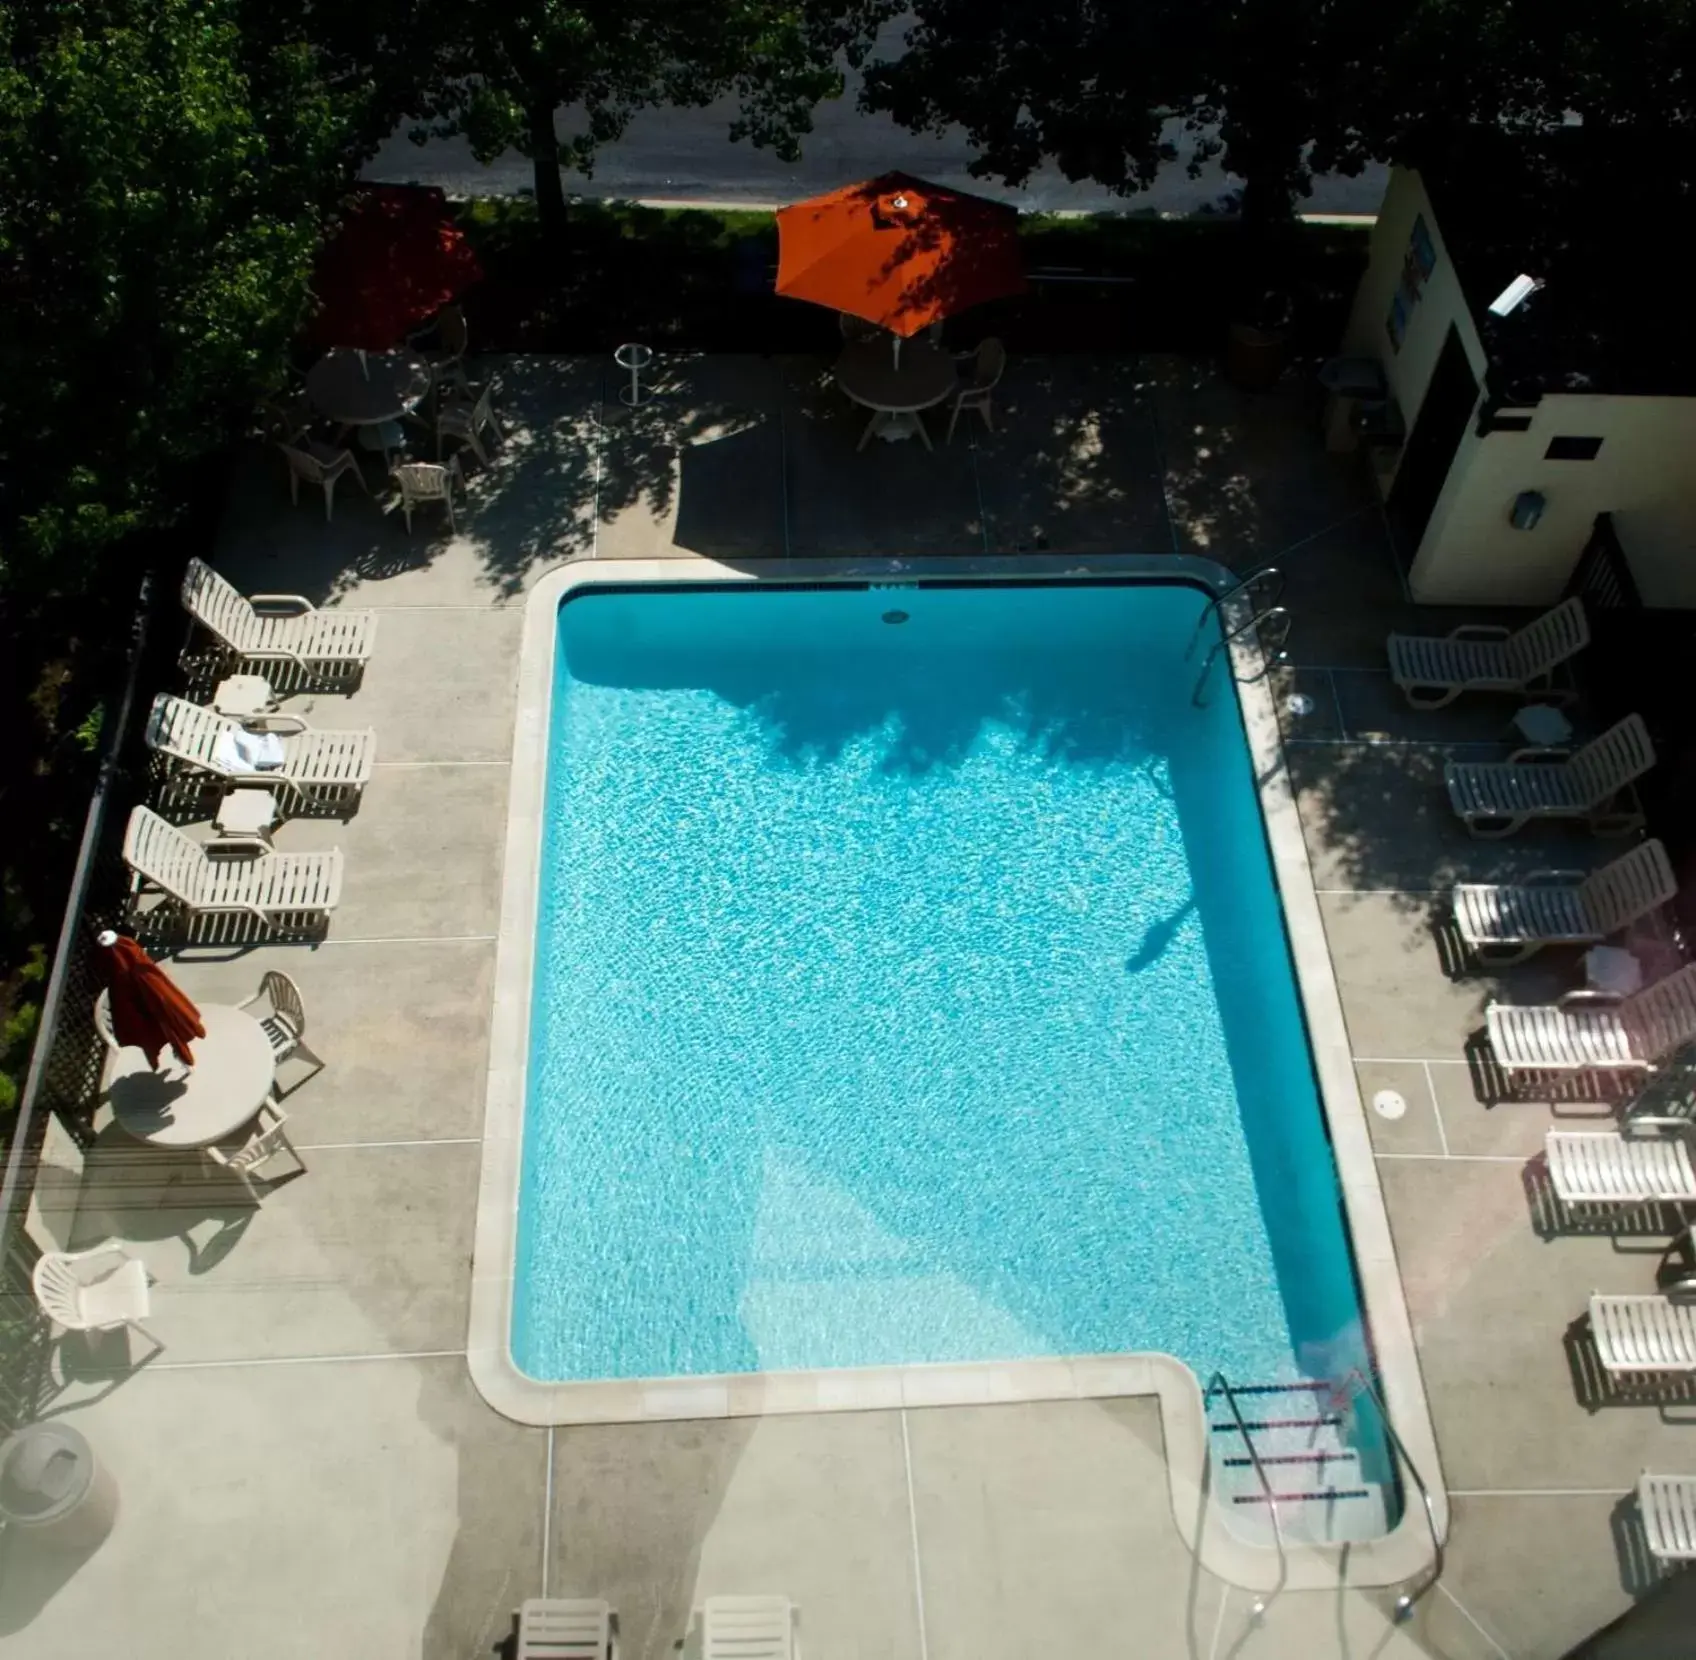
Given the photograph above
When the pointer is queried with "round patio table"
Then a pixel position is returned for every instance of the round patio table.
(371, 391)
(232, 1075)
(895, 391)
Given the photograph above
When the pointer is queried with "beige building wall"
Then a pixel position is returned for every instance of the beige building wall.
(1440, 304)
(1645, 475)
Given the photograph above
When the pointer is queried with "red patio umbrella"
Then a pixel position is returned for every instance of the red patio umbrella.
(899, 252)
(149, 1009)
(396, 259)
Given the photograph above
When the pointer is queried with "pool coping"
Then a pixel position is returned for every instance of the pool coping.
(1403, 1554)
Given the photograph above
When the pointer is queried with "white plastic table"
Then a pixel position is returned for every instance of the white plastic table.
(242, 696)
(232, 1075)
(895, 392)
(369, 390)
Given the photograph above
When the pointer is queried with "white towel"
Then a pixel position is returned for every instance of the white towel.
(238, 750)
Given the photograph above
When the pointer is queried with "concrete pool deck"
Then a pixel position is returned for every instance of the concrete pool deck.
(307, 1468)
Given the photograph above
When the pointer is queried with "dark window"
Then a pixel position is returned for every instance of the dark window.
(1572, 449)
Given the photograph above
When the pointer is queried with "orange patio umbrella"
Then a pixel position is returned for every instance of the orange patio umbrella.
(149, 1009)
(899, 252)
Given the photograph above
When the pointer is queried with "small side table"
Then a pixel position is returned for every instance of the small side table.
(244, 818)
(244, 696)
(1544, 725)
(1610, 969)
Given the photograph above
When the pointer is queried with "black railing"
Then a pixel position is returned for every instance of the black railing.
(1602, 577)
(64, 1070)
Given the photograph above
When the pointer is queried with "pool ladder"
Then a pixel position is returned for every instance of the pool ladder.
(1316, 1418)
(1260, 590)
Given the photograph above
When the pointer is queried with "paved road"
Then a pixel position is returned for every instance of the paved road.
(684, 155)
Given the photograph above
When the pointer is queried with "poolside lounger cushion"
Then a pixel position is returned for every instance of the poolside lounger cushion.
(290, 628)
(1579, 1034)
(1606, 1167)
(747, 1628)
(1495, 798)
(1644, 1333)
(268, 887)
(560, 1628)
(1434, 670)
(1667, 1505)
(1503, 922)
(314, 764)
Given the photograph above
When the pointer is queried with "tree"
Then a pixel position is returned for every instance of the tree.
(1273, 88)
(504, 68)
(168, 167)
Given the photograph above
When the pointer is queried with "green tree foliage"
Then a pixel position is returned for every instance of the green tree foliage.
(167, 167)
(506, 67)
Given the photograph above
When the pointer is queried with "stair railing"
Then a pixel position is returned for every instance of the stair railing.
(1220, 1384)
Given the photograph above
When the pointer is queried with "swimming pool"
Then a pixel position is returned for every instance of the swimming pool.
(910, 986)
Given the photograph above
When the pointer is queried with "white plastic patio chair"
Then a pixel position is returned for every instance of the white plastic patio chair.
(566, 1628)
(1595, 1030)
(465, 421)
(1483, 657)
(103, 1027)
(275, 889)
(1503, 922)
(1667, 1506)
(316, 766)
(423, 482)
(1496, 798)
(446, 358)
(284, 1023)
(989, 364)
(277, 628)
(311, 462)
(1645, 1162)
(246, 1158)
(286, 418)
(748, 1628)
(1645, 1333)
(96, 1290)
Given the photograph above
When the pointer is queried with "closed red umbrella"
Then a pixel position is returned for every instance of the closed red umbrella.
(899, 252)
(149, 1009)
(394, 261)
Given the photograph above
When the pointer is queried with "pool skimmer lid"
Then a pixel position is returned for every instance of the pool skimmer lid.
(1389, 1103)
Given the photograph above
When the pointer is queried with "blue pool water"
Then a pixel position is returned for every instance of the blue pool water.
(913, 990)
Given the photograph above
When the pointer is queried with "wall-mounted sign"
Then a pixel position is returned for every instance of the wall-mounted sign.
(1417, 265)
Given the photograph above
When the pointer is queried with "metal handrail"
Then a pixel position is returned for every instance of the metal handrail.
(1219, 1381)
(1404, 1603)
(1269, 659)
(1241, 586)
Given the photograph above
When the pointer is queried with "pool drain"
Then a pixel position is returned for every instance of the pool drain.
(1389, 1103)
(895, 616)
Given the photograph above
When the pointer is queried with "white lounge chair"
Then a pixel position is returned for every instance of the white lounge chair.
(1504, 922)
(1479, 657)
(278, 628)
(1595, 1031)
(565, 1628)
(317, 766)
(1667, 1505)
(273, 888)
(1496, 798)
(748, 1628)
(1646, 1162)
(1652, 1333)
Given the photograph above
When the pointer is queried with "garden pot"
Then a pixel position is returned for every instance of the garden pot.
(1255, 357)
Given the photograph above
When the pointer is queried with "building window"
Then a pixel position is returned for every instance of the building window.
(1572, 449)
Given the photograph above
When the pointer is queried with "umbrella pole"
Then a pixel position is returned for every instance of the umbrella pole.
(898, 351)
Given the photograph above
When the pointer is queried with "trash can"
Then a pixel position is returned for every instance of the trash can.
(52, 1484)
